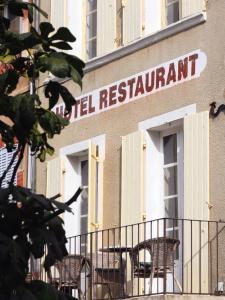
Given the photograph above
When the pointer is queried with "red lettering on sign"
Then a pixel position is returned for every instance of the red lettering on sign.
(139, 87)
(91, 108)
(131, 84)
(149, 86)
(171, 74)
(183, 68)
(103, 99)
(83, 106)
(112, 95)
(193, 58)
(160, 73)
(122, 91)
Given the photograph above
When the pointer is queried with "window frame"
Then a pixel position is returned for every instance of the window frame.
(93, 38)
(166, 10)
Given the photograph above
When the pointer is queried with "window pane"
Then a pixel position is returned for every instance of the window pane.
(83, 225)
(84, 172)
(170, 181)
(91, 49)
(170, 149)
(91, 25)
(171, 208)
(84, 205)
(171, 211)
(92, 4)
(173, 13)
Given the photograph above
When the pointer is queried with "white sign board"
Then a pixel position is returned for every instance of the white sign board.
(161, 77)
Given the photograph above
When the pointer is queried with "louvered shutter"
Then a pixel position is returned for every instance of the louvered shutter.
(55, 178)
(152, 16)
(132, 204)
(106, 26)
(190, 7)
(132, 20)
(92, 187)
(5, 158)
(59, 13)
(196, 198)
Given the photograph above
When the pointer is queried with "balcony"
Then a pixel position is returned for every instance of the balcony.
(159, 257)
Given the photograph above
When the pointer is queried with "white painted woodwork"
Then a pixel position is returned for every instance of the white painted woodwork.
(58, 13)
(92, 187)
(106, 26)
(55, 178)
(196, 199)
(190, 7)
(132, 205)
(132, 20)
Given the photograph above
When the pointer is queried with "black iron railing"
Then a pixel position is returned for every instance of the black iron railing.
(176, 256)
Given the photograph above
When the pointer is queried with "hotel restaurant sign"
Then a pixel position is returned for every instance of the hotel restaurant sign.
(161, 77)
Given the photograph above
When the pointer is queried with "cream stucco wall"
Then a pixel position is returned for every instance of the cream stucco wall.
(209, 37)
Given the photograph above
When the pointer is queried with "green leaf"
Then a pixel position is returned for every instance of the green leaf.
(16, 8)
(8, 81)
(41, 11)
(54, 63)
(42, 154)
(68, 99)
(27, 295)
(76, 76)
(52, 92)
(42, 290)
(62, 45)
(63, 34)
(30, 13)
(45, 29)
(4, 195)
(49, 149)
(61, 205)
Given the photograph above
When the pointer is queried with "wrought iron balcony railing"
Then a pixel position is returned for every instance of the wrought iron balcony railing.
(175, 256)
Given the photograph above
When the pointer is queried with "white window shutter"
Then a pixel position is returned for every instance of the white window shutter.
(196, 200)
(5, 158)
(59, 13)
(92, 187)
(152, 16)
(76, 22)
(55, 178)
(132, 204)
(132, 20)
(190, 7)
(106, 26)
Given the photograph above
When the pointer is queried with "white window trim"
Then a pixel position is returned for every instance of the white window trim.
(167, 117)
(148, 126)
(78, 148)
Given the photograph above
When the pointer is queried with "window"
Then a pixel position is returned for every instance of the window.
(84, 201)
(172, 11)
(91, 29)
(171, 193)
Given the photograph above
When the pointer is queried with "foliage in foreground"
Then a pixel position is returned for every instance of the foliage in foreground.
(30, 223)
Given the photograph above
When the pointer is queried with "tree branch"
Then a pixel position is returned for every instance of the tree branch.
(60, 211)
(21, 150)
(9, 166)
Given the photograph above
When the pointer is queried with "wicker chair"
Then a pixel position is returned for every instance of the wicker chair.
(107, 270)
(162, 253)
(66, 274)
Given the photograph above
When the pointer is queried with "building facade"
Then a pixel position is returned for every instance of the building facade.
(141, 141)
